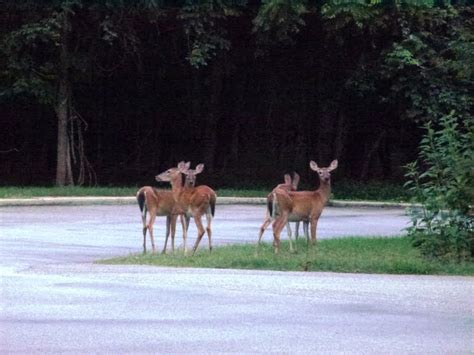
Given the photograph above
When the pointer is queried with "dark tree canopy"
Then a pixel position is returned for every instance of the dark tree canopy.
(112, 92)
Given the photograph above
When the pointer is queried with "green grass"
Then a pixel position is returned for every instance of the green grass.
(242, 193)
(27, 192)
(370, 191)
(346, 190)
(355, 255)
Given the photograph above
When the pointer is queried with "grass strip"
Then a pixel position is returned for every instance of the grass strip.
(354, 255)
(345, 190)
(29, 192)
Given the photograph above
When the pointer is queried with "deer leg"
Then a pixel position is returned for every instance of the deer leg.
(197, 220)
(150, 228)
(184, 225)
(266, 223)
(188, 218)
(305, 231)
(168, 223)
(314, 224)
(276, 236)
(144, 230)
(288, 231)
(277, 226)
(173, 231)
(208, 228)
(297, 229)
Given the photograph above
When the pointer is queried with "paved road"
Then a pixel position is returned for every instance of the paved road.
(84, 233)
(53, 299)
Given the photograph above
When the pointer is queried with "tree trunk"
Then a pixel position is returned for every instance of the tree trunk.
(63, 164)
(370, 153)
(209, 139)
(341, 136)
(325, 135)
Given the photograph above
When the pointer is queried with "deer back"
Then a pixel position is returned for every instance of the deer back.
(160, 201)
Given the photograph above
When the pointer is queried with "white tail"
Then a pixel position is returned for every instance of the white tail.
(302, 205)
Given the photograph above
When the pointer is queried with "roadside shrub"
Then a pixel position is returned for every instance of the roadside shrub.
(442, 181)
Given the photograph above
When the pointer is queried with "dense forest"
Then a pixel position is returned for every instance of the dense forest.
(113, 92)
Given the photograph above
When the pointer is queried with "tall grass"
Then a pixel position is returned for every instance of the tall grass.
(355, 255)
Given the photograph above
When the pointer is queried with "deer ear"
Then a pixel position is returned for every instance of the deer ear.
(183, 167)
(313, 166)
(296, 180)
(199, 168)
(333, 165)
(188, 165)
(287, 178)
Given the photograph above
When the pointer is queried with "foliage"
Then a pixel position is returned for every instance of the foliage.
(277, 21)
(430, 69)
(32, 59)
(204, 30)
(343, 13)
(155, 81)
(364, 255)
(442, 181)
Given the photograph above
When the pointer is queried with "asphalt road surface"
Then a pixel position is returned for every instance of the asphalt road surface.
(85, 233)
(53, 299)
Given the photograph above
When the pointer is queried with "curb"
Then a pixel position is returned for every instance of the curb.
(128, 200)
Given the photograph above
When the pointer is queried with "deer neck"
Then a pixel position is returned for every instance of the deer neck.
(177, 186)
(324, 190)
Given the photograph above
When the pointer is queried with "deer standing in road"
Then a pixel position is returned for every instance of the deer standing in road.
(301, 205)
(288, 185)
(194, 201)
(159, 203)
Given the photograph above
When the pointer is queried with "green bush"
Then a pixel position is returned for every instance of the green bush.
(442, 180)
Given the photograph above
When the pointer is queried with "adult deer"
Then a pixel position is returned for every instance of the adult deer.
(289, 185)
(159, 203)
(194, 201)
(301, 205)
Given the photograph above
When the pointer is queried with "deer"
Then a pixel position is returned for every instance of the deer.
(301, 205)
(159, 203)
(194, 201)
(288, 185)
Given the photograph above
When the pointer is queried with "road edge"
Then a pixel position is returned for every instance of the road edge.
(129, 200)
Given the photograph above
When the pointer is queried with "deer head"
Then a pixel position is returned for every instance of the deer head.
(295, 182)
(290, 184)
(169, 174)
(324, 173)
(191, 175)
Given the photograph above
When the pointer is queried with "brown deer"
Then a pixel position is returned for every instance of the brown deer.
(301, 205)
(288, 185)
(159, 203)
(194, 201)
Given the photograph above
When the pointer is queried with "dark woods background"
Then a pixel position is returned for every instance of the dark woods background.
(252, 89)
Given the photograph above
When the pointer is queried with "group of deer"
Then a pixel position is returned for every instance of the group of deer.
(184, 201)
(284, 205)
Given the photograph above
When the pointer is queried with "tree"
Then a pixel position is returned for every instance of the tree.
(40, 64)
(441, 180)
